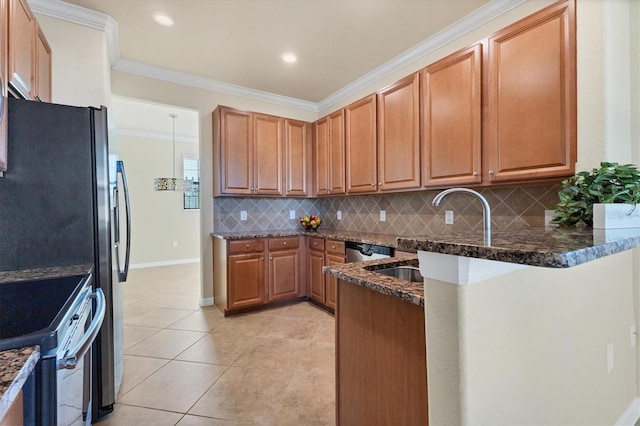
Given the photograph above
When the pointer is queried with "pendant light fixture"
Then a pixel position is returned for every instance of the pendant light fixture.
(172, 184)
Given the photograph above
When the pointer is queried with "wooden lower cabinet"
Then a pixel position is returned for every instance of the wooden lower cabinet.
(14, 415)
(381, 367)
(244, 278)
(322, 288)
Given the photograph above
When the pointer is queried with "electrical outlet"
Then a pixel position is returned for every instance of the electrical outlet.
(609, 357)
(383, 215)
(175, 244)
(243, 215)
(632, 335)
(339, 214)
(292, 214)
(448, 217)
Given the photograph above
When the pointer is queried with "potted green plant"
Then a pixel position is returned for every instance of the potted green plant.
(605, 197)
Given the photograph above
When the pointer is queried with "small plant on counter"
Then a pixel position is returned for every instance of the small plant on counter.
(611, 183)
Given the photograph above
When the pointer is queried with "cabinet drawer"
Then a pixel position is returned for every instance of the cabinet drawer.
(335, 247)
(316, 244)
(283, 243)
(246, 246)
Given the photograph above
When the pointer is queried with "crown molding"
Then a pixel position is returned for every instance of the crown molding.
(100, 21)
(158, 73)
(468, 23)
(155, 135)
(82, 16)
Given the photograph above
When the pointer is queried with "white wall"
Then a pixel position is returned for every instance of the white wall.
(529, 347)
(144, 133)
(81, 71)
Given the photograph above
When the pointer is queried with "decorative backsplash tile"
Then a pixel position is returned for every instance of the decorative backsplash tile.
(409, 213)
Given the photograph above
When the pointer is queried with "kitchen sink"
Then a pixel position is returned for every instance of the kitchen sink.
(35, 307)
(406, 273)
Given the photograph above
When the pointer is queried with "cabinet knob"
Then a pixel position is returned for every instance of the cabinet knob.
(271, 257)
(248, 245)
(262, 258)
(315, 244)
(475, 173)
(333, 247)
(379, 183)
(373, 184)
(491, 172)
(284, 244)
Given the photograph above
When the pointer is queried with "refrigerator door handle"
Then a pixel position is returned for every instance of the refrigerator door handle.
(122, 275)
(116, 217)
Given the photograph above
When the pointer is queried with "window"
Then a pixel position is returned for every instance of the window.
(191, 167)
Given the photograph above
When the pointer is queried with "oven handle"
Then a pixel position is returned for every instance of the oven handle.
(70, 361)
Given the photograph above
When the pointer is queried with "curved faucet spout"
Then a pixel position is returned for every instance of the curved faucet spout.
(486, 209)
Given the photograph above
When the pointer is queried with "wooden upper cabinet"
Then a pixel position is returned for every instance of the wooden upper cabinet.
(21, 48)
(268, 156)
(336, 146)
(531, 89)
(451, 131)
(233, 151)
(399, 135)
(321, 156)
(361, 155)
(3, 85)
(328, 151)
(297, 150)
(43, 67)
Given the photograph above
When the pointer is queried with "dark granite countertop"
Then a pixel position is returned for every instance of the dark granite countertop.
(363, 273)
(43, 273)
(551, 247)
(15, 367)
(388, 240)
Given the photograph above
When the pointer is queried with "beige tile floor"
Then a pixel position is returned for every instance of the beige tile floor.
(186, 365)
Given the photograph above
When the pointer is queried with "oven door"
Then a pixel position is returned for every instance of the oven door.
(73, 377)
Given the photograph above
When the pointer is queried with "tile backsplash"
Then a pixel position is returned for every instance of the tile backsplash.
(409, 213)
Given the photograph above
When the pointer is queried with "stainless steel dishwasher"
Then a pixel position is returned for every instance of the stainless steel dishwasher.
(359, 252)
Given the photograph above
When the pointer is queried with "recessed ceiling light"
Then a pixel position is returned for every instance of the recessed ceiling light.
(289, 57)
(162, 19)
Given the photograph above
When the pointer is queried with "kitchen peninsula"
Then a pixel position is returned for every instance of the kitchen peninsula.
(526, 330)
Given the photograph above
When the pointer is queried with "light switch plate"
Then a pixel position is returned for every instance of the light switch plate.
(243, 215)
(383, 215)
(339, 214)
(292, 214)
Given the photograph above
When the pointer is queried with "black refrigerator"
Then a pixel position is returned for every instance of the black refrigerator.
(61, 202)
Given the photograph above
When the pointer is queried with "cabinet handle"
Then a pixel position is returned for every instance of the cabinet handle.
(475, 173)
(491, 172)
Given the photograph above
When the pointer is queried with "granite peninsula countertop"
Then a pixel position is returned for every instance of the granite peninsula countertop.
(388, 240)
(551, 247)
(43, 273)
(15, 367)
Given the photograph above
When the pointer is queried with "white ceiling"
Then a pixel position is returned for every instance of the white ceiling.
(239, 42)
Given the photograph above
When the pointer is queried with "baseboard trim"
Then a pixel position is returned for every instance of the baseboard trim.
(631, 414)
(207, 301)
(163, 263)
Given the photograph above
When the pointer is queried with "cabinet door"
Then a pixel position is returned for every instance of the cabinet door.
(336, 149)
(236, 154)
(451, 119)
(531, 116)
(4, 31)
(316, 277)
(361, 156)
(296, 136)
(21, 48)
(43, 67)
(399, 135)
(284, 275)
(321, 155)
(246, 280)
(332, 282)
(268, 155)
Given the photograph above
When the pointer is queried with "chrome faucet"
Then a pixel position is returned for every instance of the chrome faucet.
(486, 209)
